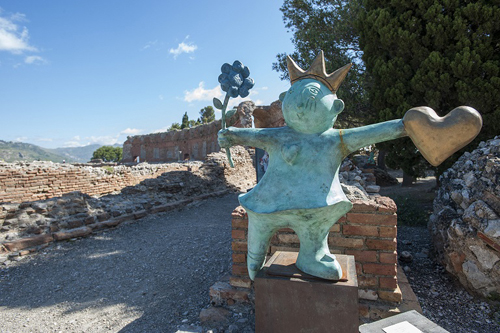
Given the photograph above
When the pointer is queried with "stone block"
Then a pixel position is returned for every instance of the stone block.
(25, 243)
(73, 233)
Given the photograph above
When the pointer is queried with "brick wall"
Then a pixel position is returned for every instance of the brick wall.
(368, 232)
(40, 181)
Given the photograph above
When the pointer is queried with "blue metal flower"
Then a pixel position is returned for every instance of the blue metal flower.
(235, 79)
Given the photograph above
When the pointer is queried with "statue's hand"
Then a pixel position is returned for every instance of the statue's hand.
(223, 137)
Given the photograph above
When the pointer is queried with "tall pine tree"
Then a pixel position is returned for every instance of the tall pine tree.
(437, 53)
(328, 25)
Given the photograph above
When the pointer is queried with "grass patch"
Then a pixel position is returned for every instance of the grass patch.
(109, 169)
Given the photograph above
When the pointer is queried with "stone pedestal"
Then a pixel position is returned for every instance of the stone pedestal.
(288, 300)
(410, 321)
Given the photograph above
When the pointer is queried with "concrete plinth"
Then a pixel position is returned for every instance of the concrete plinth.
(410, 321)
(288, 300)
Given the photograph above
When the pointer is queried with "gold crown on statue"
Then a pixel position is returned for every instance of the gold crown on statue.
(317, 71)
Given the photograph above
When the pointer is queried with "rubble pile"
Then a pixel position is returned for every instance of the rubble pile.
(465, 224)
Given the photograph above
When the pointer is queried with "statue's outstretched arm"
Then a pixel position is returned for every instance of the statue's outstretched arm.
(253, 137)
(355, 138)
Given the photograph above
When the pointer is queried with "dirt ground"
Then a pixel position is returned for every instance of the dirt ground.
(423, 191)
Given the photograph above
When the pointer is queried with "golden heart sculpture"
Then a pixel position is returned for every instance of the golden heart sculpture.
(437, 138)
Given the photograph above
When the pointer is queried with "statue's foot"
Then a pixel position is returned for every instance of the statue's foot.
(254, 265)
(327, 267)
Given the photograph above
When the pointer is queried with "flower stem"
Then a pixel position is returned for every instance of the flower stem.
(224, 107)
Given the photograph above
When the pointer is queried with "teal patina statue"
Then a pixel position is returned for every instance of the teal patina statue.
(301, 188)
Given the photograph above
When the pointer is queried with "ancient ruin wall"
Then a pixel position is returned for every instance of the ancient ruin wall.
(29, 225)
(22, 182)
(193, 143)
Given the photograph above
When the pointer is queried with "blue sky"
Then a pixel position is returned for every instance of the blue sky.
(77, 72)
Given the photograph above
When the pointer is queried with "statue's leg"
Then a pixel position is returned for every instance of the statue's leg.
(261, 227)
(313, 228)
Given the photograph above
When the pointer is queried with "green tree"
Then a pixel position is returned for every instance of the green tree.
(207, 115)
(193, 123)
(108, 154)
(185, 121)
(328, 25)
(174, 127)
(438, 53)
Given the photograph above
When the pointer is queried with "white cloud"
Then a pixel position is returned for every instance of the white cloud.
(13, 38)
(21, 139)
(150, 44)
(34, 60)
(202, 94)
(234, 102)
(131, 131)
(264, 88)
(69, 144)
(161, 130)
(183, 48)
(106, 140)
(160, 97)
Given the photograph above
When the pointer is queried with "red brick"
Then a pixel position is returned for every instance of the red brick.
(374, 219)
(285, 230)
(367, 281)
(240, 282)
(391, 296)
(342, 219)
(388, 282)
(345, 242)
(359, 268)
(388, 232)
(363, 206)
(386, 204)
(388, 258)
(335, 228)
(379, 269)
(225, 291)
(240, 270)
(288, 239)
(381, 244)
(360, 230)
(240, 223)
(239, 212)
(363, 255)
(239, 246)
(238, 234)
(239, 258)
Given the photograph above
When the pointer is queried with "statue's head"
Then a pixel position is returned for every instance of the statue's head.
(311, 104)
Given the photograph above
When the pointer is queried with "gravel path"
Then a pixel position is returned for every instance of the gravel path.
(148, 278)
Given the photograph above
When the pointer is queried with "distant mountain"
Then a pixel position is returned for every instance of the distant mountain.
(20, 151)
(76, 154)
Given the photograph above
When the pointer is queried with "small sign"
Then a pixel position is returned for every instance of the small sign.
(402, 327)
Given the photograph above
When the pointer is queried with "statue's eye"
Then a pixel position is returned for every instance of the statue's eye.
(314, 90)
